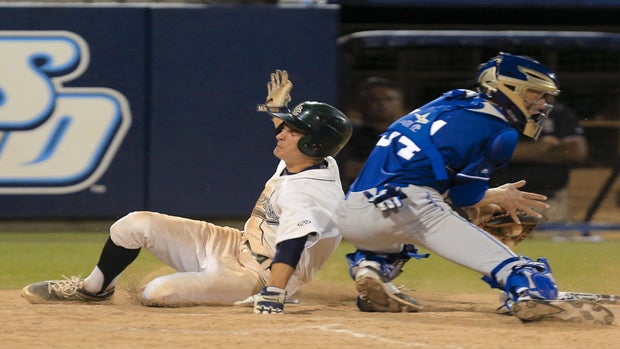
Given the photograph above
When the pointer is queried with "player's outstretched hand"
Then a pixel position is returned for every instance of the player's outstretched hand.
(270, 300)
(279, 90)
(249, 302)
(386, 199)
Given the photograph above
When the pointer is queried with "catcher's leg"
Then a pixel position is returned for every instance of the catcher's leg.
(372, 274)
(533, 296)
(527, 279)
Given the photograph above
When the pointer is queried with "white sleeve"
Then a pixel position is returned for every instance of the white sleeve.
(298, 216)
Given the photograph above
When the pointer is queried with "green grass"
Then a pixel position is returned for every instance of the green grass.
(30, 257)
(577, 266)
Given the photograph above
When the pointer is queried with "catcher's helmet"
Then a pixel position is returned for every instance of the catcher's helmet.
(505, 79)
(326, 129)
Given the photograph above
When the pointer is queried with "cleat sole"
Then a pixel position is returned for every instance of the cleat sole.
(575, 311)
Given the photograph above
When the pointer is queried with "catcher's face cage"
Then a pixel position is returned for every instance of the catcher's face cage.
(326, 129)
(507, 78)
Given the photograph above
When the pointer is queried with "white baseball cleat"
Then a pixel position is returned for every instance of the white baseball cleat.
(68, 290)
(576, 311)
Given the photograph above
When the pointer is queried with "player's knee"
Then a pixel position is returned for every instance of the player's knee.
(131, 229)
(158, 293)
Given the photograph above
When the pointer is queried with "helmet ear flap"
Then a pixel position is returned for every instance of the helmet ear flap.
(308, 146)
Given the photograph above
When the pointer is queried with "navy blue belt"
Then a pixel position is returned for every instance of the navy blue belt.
(259, 257)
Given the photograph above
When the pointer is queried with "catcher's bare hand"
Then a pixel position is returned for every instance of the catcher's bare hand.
(279, 90)
(512, 200)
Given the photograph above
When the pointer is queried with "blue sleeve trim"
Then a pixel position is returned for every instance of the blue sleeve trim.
(289, 251)
(475, 176)
(468, 194)
(501, 147)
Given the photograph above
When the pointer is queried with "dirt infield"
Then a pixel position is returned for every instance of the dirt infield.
(326, 318)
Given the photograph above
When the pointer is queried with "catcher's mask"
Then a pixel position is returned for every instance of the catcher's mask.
(506, 78)
(326, 129)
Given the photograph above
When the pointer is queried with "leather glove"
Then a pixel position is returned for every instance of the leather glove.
(270, 300)
(278, 92)
(504, 228)
(388, 198)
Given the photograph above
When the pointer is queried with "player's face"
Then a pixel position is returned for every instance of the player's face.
(286, 148)
(534, 101)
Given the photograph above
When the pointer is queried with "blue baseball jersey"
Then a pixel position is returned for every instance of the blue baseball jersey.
(452, 143)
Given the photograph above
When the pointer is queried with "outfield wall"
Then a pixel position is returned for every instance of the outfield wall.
(110, 109)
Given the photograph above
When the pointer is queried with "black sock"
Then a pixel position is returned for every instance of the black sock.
(113, 260)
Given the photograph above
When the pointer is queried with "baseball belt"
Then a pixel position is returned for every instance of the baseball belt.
(259, 257)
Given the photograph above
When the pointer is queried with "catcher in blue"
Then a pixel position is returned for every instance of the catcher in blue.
(438, 157)
(289, 236)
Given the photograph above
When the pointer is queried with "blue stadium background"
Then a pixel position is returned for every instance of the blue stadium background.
(194, 72)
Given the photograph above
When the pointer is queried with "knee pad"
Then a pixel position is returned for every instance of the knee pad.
(530, 278)
(389, 265)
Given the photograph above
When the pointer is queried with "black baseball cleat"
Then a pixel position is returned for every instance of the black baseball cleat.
(377, 295)
(576, 311)
(67, 290)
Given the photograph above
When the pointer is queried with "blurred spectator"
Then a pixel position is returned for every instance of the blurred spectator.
(545, 164)
(610, 112)
(379, 103)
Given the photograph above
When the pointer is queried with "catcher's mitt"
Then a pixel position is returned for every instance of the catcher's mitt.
(508, 231)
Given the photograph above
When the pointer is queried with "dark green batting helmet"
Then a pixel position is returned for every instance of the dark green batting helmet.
(326, 129)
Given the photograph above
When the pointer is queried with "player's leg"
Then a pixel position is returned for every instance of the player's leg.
(219, 284)
(373, 273)
(178, 242)
(207, 258)
(426, 220)
(458, 240)
(530, 285)
(379, 257)
(171, 239)
(99, 285)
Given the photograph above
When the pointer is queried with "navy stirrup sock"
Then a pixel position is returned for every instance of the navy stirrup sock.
(113, 260)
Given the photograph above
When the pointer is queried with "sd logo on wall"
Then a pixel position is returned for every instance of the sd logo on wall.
(53, 139)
